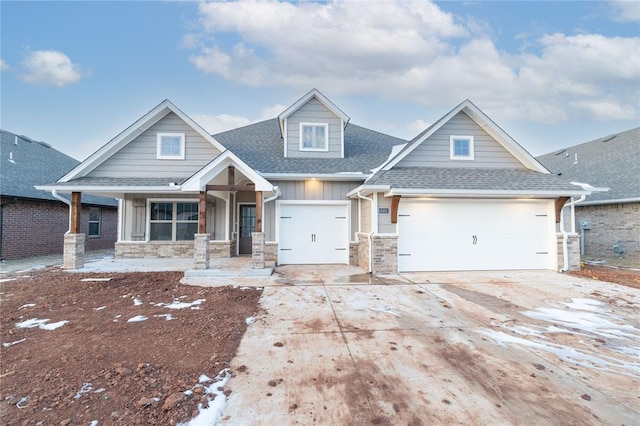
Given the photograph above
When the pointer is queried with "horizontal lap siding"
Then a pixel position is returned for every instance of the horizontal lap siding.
(435, 151)
(314, 112)
(138, 157)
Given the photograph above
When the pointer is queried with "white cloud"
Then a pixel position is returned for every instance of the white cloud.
(413, 51)
(3, 65)
(223, 122)
(417, 126)
(625, 10)
(50, 68)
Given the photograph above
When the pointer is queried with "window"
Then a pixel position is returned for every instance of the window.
(461, 147)
(170, 146)
(173, 221)
(95, 214)
(314, 137)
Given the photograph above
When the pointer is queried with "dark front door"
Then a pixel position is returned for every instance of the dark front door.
(247, 226)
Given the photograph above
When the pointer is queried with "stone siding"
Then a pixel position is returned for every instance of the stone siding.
(162, 249)
(221, 249)
(573, 247)
(73, 257)
(385, 254)
(363, 251)
(271, 252)
(257, 250)
(354, 254)
(610, 224)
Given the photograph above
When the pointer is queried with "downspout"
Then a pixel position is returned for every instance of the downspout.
(362, 197)
(54, 193)
(277, 195)
(565, 234)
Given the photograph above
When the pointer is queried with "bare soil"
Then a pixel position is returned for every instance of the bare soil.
(100, 367)
(628, 277)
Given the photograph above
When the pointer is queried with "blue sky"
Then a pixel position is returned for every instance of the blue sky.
(552, 74)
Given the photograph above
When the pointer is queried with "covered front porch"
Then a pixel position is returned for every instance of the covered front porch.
(217, 213)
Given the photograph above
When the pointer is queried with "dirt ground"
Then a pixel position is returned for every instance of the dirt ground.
(628, 277)
(99, 365)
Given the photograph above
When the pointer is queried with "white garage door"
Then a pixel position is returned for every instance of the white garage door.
(313, 233)
(459, 235)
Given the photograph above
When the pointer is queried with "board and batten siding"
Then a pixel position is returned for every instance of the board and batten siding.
(310, 190)
(435, 151)
(365, 216)
(314, 112)
(384, 219)
(138, 157)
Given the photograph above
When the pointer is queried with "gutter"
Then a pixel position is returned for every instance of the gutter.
(273, 197)
(362, 197)
(54, 194)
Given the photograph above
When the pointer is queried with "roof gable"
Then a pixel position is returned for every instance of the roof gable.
(313, 93)
(485, 123)
(133, 131)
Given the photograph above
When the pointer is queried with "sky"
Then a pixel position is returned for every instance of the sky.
(552, 74)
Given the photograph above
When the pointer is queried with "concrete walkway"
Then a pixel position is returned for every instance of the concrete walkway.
(333, 345)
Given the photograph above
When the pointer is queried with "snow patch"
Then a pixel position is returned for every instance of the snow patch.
(167, 317)
(96, 280)
(137, 318)
(40, 323)
(250, 320)
(27, 305)
(217, 401)
(137, 301)
(99, 308)
(6, 345)
(176, 304)
(4, 280)
(86, 388)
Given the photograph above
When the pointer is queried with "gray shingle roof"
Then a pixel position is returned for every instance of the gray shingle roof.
(25, 163)
(605, 162)
(470, 179)
(260, 146)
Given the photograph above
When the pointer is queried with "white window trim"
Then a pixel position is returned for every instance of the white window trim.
(326, 137)
(174, 221)
(452, 155)
(180, 156)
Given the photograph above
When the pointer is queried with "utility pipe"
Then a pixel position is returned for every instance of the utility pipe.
(362, 197)
(54, 193)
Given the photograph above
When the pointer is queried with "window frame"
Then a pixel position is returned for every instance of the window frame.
(326, 136)
(452, 149)
(99, 222)
(174, 217)
(159, 139)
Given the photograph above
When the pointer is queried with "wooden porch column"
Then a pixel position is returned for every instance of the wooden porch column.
(395, 201)
(202, 213)
(76, 206)
(258, 211)
(560, 202)
(231, 175)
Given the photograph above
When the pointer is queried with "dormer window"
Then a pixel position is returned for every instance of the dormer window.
(170, 146)
(461, 147)
(314, 137)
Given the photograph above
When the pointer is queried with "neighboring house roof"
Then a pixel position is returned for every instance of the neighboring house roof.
(26, 163)
(485, 123)
(443, 181)
(260, 146)
(612, 161)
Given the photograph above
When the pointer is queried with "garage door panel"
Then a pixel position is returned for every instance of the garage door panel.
(473, 235)
(313, 234)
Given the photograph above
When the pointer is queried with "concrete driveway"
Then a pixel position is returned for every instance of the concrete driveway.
(334, 346)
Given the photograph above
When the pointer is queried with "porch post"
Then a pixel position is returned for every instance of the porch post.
(258, 211)
(202, 213)
(73, 256)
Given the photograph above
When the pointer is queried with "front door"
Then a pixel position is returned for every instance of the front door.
(247, 226)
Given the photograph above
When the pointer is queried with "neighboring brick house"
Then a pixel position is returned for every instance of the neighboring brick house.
(310, 187)
(32, 221)
(609, 221)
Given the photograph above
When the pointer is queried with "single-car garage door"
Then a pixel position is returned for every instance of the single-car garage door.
(313, 233)
(455, 235)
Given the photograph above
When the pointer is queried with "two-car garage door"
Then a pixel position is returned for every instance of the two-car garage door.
(313, 233)
(453, 235)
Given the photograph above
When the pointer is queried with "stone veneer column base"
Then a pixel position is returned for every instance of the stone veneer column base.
(257, 250)
(73, 257)
(201, 251)
(362, 259)
(385, 254)
(573, 247)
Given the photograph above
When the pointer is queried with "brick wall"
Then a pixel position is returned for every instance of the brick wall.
(363, 251)
(271, 252)
(610, 223)
(168, 249)
(384, 254)
(573, 248)
(37, 228)
(354, 253)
